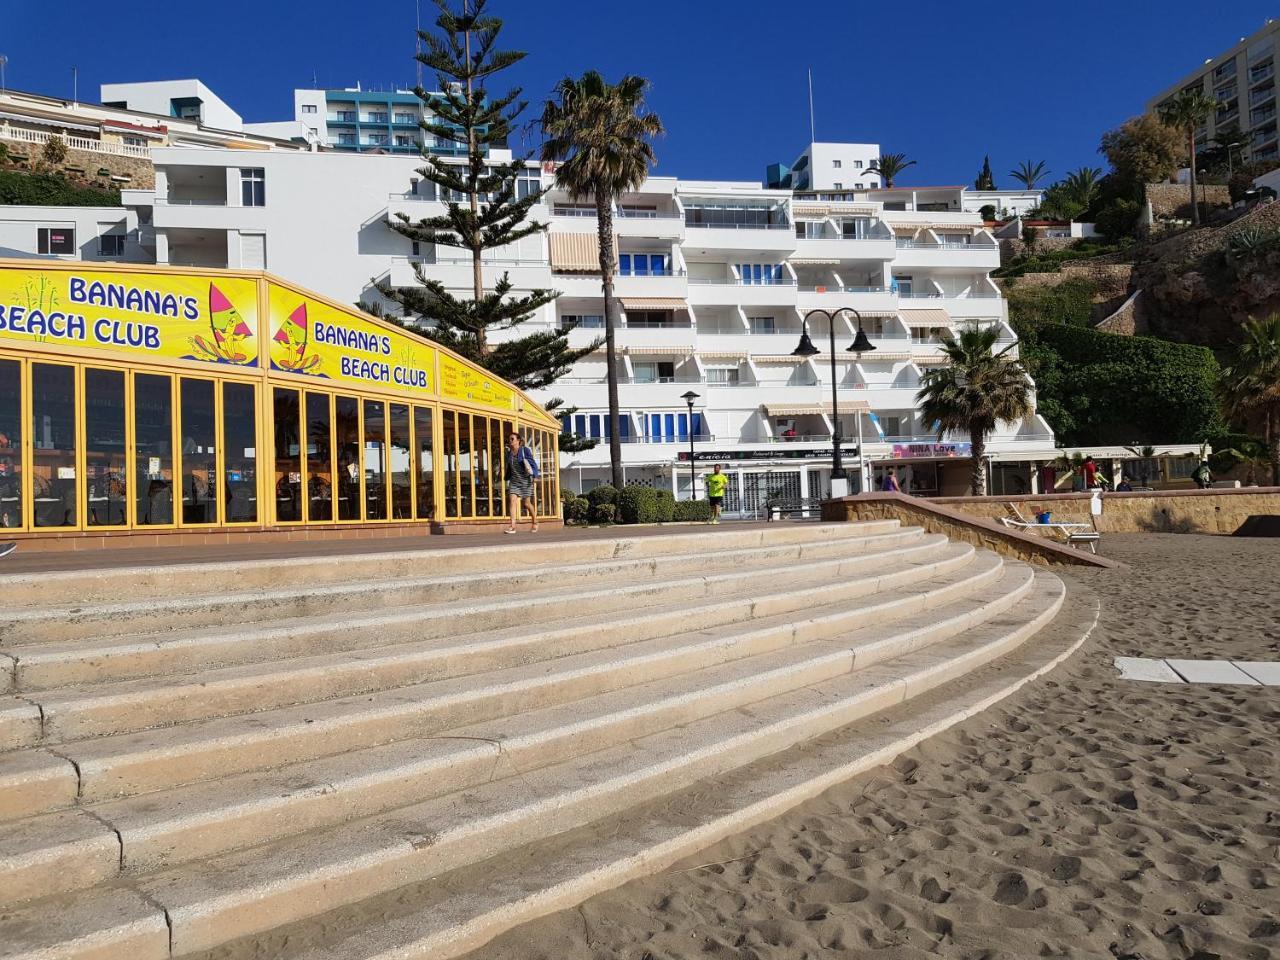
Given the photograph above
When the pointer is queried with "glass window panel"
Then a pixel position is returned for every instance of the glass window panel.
(288, 454)
(480, 438)
(449, 438)
(153, 448)
(199, 471)
(466, 506)
(106, 458)
(497, 453)
(375, 460)
(53, 441)
(424, 464)
(401, 466)
(319, 458)
(346, 418)
(10, 444)
(240, 453)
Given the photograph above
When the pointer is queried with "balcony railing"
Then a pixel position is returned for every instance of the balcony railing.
(1261, 96)
(738, 282)
(1258, 75)
(624, 214)
(75, 143)
(741, 226)
(834, 289)
(650, 273)
(559, 211)
(192, 201)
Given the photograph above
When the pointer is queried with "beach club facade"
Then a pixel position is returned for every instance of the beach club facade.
(145, 405)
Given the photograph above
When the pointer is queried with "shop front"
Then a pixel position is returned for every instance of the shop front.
(160, 405)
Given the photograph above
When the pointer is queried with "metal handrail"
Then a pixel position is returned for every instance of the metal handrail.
(737, 281)
(741, 226)
(831, 288)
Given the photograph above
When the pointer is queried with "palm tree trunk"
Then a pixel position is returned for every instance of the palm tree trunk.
(977, 450)
(1273, 443)
(604, 221)
(1195, 208)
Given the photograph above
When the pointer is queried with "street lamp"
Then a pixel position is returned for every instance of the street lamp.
(693, 483)
(860, 345)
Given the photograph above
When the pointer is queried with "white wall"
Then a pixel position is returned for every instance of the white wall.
(1016, 202)
(155, 97)
(19, 226)
(1271, 180)
(824, 174)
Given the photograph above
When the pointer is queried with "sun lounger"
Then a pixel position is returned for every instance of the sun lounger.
(1071, 534)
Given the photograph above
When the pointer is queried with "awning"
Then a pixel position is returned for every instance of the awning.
(723, 355)
(575, 252)
(935, 360)
(40, 120)
(811, 262)
(930, 316)
(666, 350)
(777, 358)
(652, 303)
(816, 409)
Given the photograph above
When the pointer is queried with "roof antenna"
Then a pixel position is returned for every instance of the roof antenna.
(417, 38)
(813, 137)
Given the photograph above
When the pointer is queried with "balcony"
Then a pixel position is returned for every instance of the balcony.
(1262, 96)
(745, 237)
(672, 285)
(868, 299)
(1258, 74)
(455, 273)
(657, 224)
(974, 307)
(967, 256)
(845, 248)
(39, 138)
(732, 292)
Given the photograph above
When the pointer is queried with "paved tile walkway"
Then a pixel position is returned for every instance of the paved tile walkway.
(1242, 672)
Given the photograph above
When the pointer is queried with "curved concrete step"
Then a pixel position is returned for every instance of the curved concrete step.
(157, 614)
(45, 666)
(206, 819)
(132, 763)
(254, 891)
(103, 585)
(108, 708)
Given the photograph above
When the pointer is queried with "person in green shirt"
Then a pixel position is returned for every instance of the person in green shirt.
(716, 483)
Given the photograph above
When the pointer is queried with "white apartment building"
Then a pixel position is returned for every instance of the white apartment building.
(827, 166)
(714, 280)
(1243, 81)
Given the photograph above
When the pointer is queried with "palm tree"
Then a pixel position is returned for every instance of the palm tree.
(1029, 174)
(1251, 384)
(977, 389)
(889, 165)
(1185, 112)
(599, 134)
(1083, 185)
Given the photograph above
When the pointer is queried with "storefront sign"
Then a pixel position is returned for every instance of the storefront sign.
(309, 337)
(722, 456)
(930, 451)
(458, 381)
(142, 315)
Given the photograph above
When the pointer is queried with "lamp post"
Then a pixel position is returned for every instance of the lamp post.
(693, 482)
(861, 345)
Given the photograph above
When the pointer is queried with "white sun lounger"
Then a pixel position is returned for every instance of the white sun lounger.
(1070, 533)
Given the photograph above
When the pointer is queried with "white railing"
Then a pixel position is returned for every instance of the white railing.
(735, 281)
(75, 143)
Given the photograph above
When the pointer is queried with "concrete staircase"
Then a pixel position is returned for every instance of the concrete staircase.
(295, 758)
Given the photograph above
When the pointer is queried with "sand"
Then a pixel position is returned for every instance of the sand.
(1086, 817)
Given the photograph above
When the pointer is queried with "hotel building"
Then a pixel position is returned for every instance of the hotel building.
(1243, 81)
(715, 281)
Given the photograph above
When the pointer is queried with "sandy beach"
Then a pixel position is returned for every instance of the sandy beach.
(1085, 817)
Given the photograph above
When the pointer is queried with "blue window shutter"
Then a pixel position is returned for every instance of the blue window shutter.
(682, 426)
(624, 426)
(595, 425)
(580, 424)
(608, 426)
(697, 425)
(624, 263)
(655, 426)
(670, 426)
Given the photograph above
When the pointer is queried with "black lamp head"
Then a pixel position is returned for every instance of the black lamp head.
(689, 397)
(861, 344)
(805, 348)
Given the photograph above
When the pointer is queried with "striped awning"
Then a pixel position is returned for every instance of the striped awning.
(777, 358)
(723, 355)
(952, 227)
(934, 360)
(575, 252)
(665, 350)
(812, 262)
(927, 317)
(652, 303)
(800, 409)
(881, 355)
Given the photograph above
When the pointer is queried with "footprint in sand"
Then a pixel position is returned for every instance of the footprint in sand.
(1011, 890)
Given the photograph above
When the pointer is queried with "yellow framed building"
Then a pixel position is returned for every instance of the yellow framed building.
(147, 405)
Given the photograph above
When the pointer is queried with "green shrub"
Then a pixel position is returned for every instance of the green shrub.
(46, 190)
(666, 506)
(577, 510)
(603, 513)
(602, 494)
(54, 152)
(1118, 219)
(692, 510)
(638, 505)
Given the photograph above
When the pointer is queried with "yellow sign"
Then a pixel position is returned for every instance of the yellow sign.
(459, 381)
(312, 338)
(149, 315)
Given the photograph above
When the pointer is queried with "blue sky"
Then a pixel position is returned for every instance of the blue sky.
(943, 82)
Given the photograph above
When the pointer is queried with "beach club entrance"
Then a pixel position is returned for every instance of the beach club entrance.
(158, 405)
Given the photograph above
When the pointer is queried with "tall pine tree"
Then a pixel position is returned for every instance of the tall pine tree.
(985, 181)
(488, 206)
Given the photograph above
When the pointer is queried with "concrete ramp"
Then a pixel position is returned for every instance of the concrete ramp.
(404, 754)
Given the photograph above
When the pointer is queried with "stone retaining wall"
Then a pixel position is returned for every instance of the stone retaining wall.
(1173, 200)
(1161, 511)
(960, 526)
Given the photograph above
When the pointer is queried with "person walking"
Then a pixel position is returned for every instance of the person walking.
(890, 482)
(1090, 471)
(522, 470)
(716, 483)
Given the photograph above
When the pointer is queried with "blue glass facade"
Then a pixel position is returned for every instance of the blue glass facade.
(360, 120)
